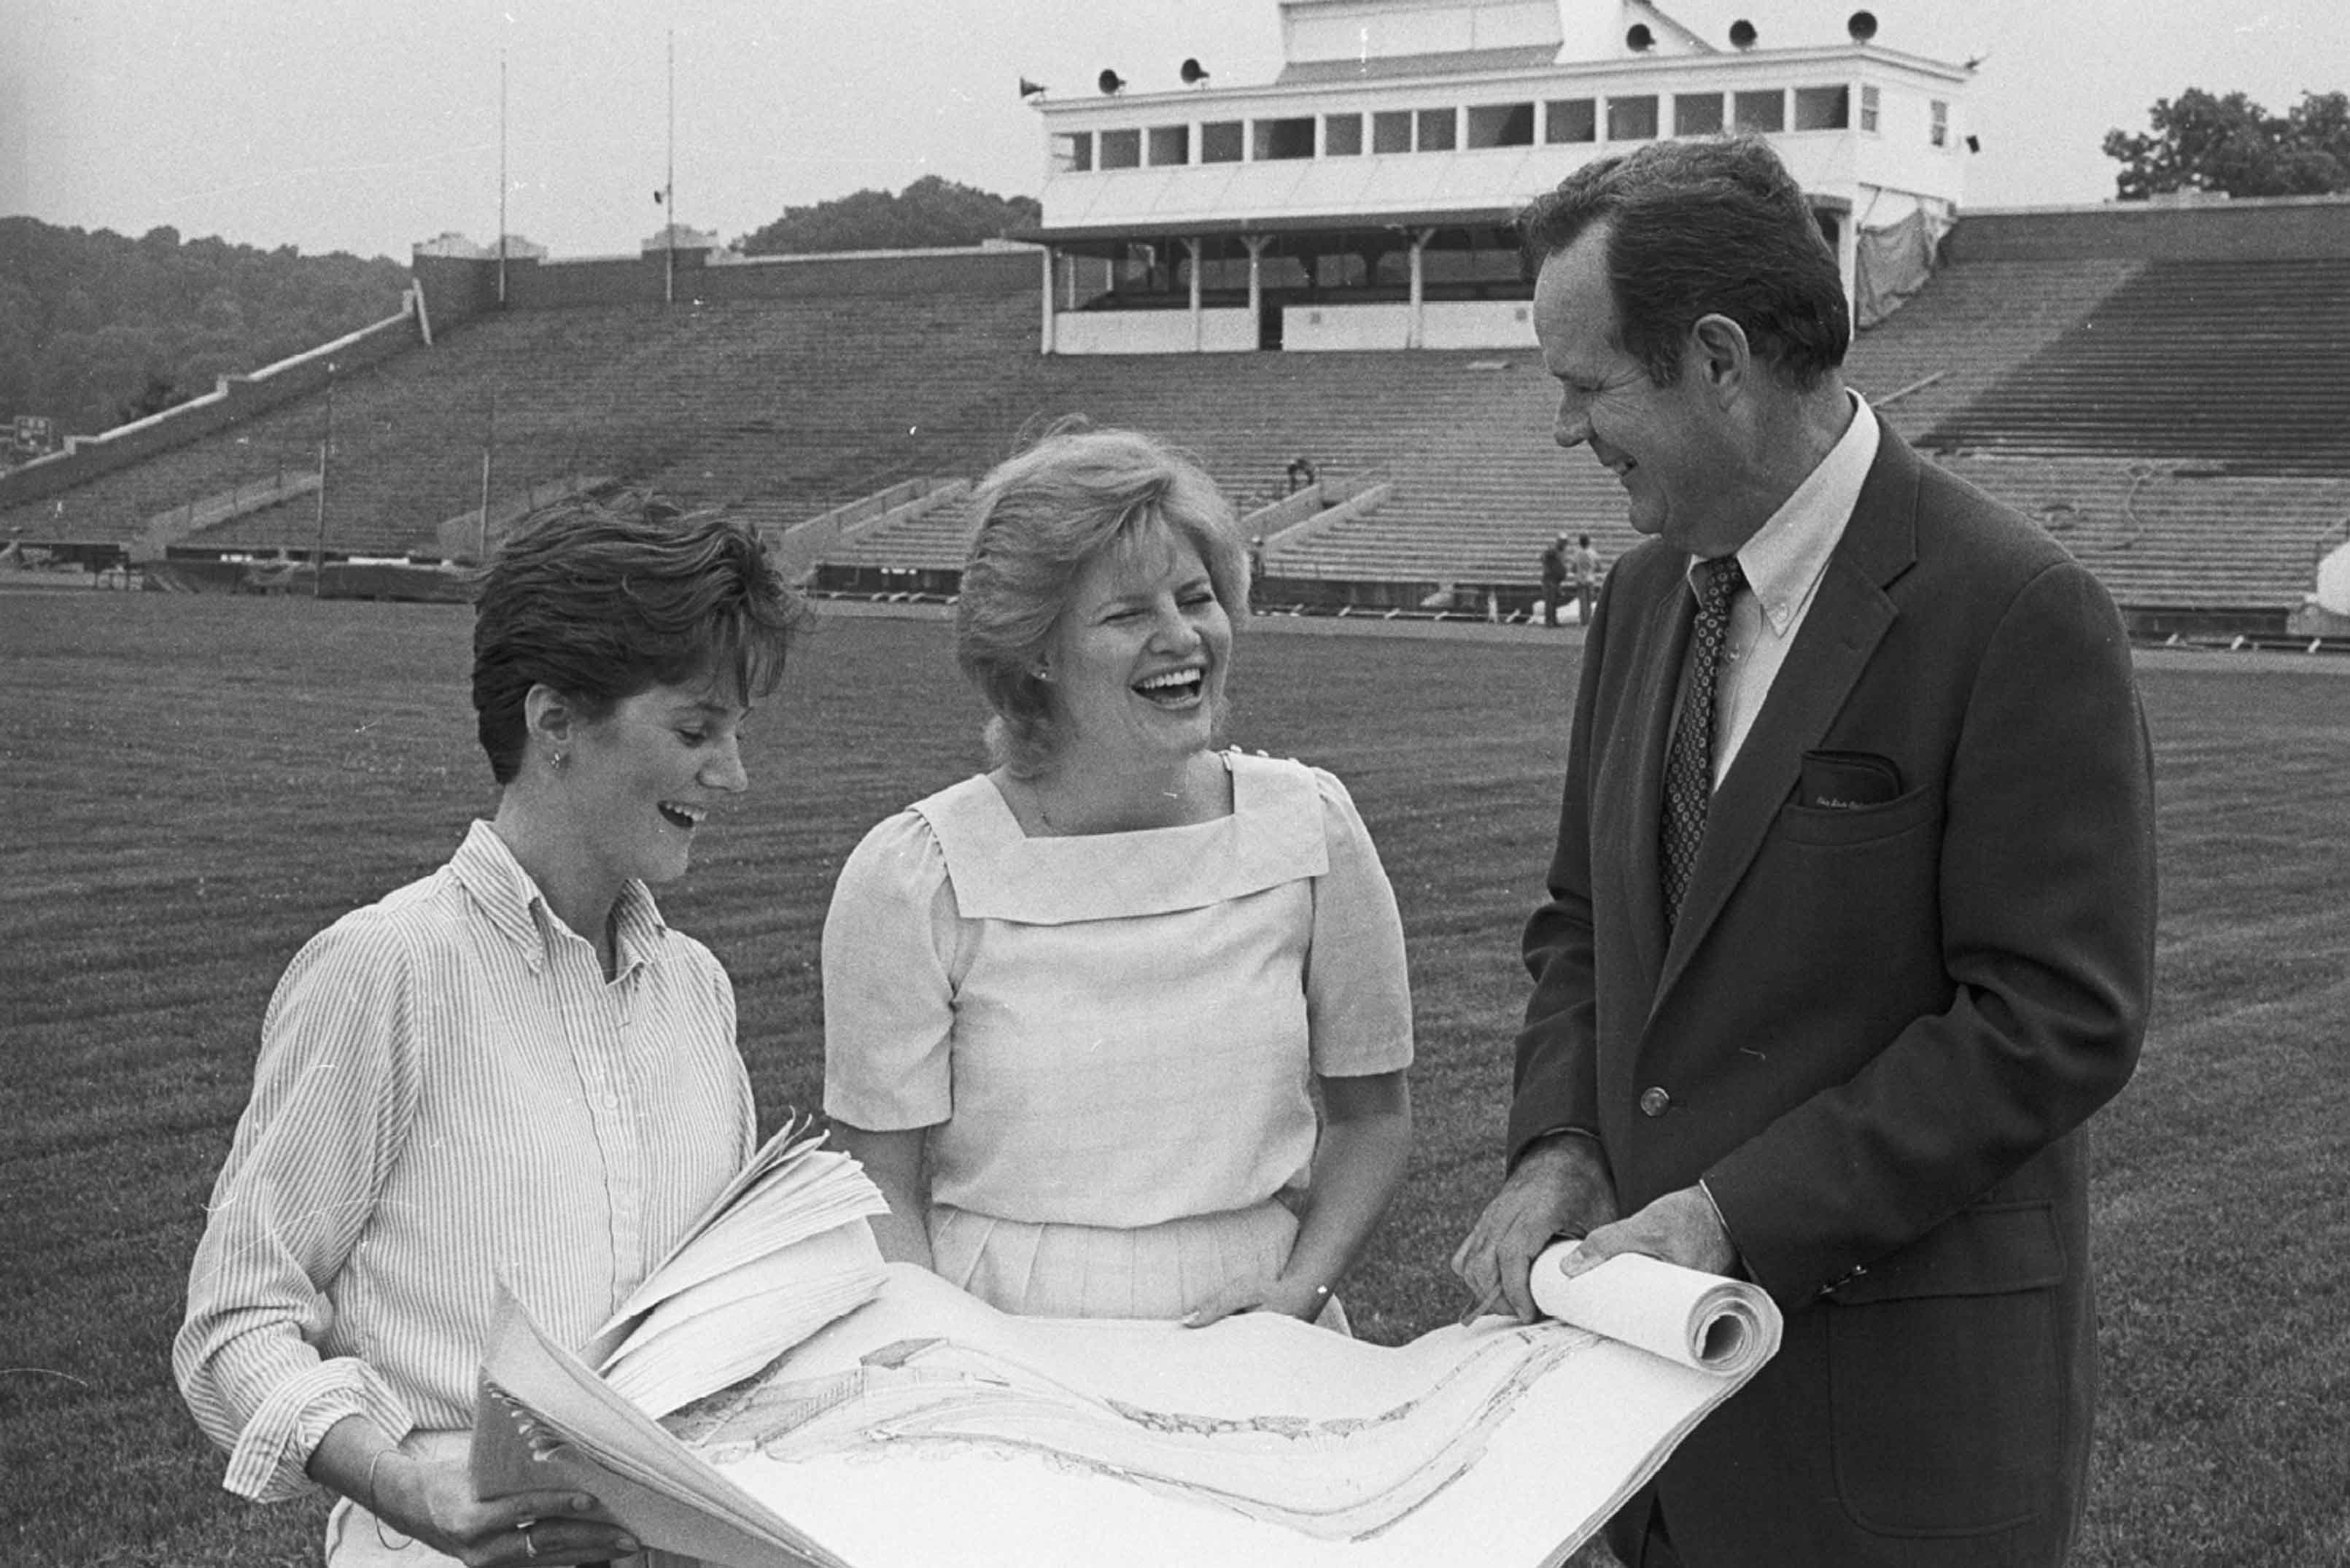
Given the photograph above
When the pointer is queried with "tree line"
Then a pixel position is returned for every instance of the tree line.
(928, 213)
(96, 328)
(2232, 146)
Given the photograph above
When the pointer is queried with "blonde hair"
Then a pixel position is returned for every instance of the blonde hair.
(1041, 518)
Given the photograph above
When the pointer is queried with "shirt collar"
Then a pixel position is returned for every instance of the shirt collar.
(510, 901)
(1786, 558)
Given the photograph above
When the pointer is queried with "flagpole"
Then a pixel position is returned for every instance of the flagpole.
(489, 446)
(502, 177)
(669, 200)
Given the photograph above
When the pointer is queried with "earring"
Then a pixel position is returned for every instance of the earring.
(562, 760)
(1043, 674)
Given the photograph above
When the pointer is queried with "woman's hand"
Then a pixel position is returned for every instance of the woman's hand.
(1293, 1297)
(430, 1497)
(1364, 1146)
(434, 1502)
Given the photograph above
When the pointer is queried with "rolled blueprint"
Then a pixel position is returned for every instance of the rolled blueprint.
(1697, 1320)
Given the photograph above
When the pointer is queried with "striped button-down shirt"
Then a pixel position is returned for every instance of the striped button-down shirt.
(450, 1094)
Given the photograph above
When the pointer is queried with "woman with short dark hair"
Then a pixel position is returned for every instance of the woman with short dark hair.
(509, 1071)
(1079, 1009)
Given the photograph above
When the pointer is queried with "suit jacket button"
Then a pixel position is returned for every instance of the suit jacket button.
(1655, 1102)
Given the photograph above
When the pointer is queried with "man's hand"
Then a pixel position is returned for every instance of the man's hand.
(1558, 1184)
(1681, 1227)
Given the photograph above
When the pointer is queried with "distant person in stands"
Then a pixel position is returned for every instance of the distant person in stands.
(1078, 1008)
(1554, 578)
(1301, 473)
(1585, 565)
(510, 1070)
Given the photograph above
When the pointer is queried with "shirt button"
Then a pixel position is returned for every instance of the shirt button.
(1655, 1102)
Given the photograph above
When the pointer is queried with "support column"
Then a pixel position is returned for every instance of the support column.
(1849, 262)
(1051, 260)
(1412, 332)
(1198, 329)
(1256, 243)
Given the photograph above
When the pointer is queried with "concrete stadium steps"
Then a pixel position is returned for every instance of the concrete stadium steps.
(932, 540)
(1464, 437)
(784, 409)
(2232, 361)
(2171, 535)
(1973, 325)
(795, 404)
(1476, 533)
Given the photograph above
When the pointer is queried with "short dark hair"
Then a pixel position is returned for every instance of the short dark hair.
(600, 599)
(1699, 228)
(1037, 519)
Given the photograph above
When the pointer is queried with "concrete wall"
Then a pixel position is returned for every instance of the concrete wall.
(458, 288)
(1444, 323)
(1154, 332)
(2281, 229)
(1477, 323)
(1312, 328)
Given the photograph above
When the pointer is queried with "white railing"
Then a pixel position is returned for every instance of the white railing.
(165, 529)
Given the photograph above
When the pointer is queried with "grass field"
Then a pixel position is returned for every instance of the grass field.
(195, 785)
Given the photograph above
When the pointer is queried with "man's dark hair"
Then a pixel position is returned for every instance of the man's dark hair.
(600, 601)
(1700, 228)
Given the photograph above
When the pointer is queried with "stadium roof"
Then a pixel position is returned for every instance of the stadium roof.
(1454, 63)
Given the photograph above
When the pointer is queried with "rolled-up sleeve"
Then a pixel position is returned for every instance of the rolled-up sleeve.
(1357, 989)
(298, 1189)
(889, 994)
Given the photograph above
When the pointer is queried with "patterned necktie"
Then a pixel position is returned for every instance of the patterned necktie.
(1688, 766)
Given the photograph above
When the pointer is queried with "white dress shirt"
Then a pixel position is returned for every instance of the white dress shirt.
(450, 1094)
(1783, 563)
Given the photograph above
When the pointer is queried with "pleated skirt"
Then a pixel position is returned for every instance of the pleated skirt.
(1161, 1271)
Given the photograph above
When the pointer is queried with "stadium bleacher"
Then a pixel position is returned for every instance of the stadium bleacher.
(2181, 425)
(2218, 361)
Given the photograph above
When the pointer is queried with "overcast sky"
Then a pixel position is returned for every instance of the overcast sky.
(367, 125)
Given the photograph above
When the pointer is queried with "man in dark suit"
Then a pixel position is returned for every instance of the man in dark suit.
(1850, 924)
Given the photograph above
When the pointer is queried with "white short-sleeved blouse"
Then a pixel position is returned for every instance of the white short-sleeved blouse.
(1113, 1029)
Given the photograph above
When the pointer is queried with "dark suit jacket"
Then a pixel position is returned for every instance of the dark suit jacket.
(1878, 1029)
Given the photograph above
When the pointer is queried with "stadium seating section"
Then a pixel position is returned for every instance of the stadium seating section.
(2183, 427)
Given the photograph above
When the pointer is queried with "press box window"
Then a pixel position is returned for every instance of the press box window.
(1278, 138)
(1937, 130)
(1440, 130)
(1823, 109)
(1868, 109)
(1073, 152)
(1221, 142)
(1391, 130)
(1759, 111)
(1697, 114)
(1631, 119)
(1170, 144)
(1342, 136)
(1571, 119)
(1121, 148)
(1500, 125)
